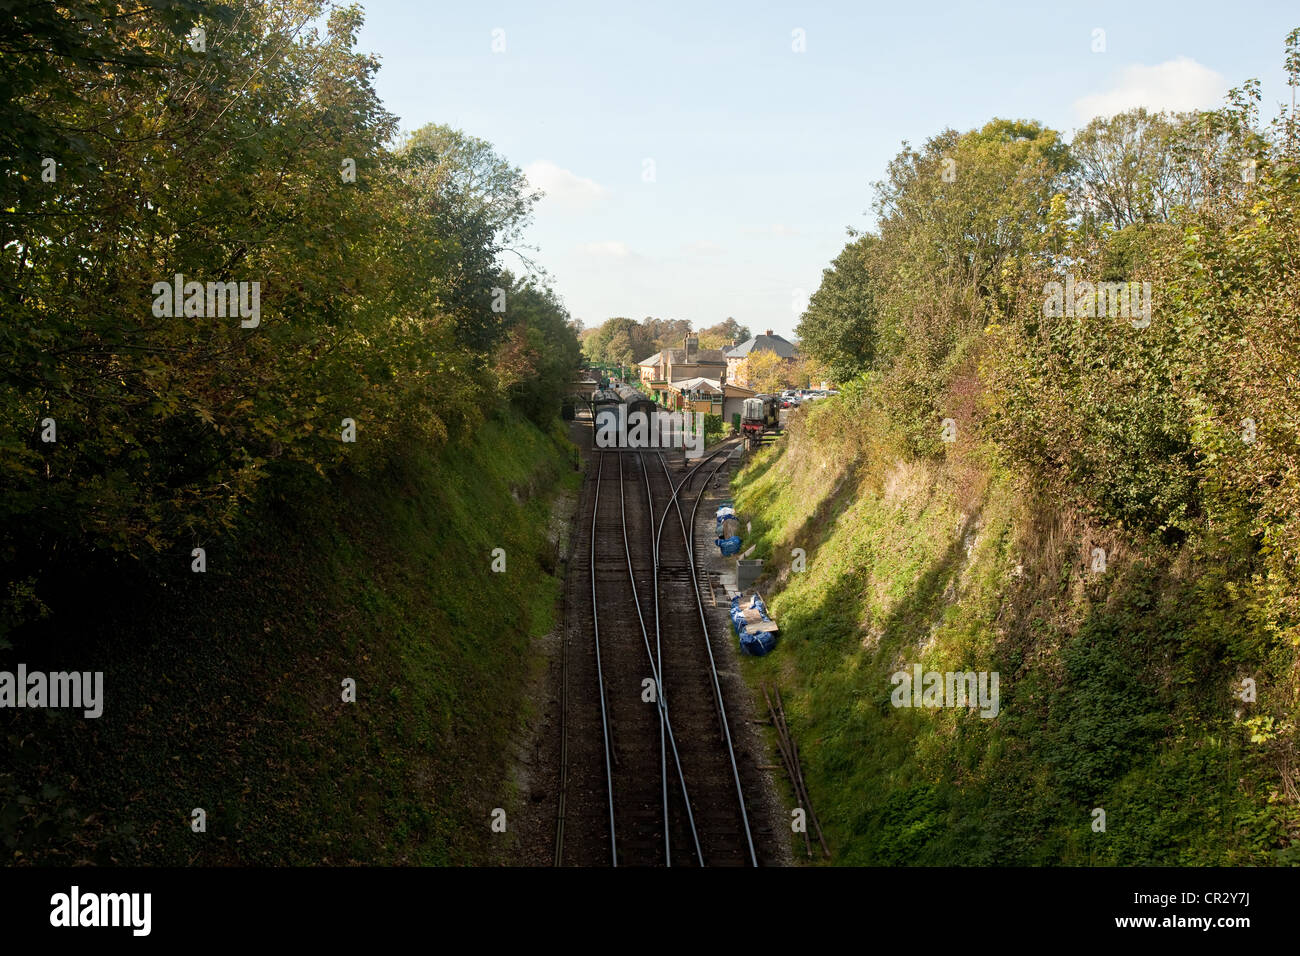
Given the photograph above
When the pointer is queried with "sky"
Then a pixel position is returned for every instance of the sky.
(704, 160)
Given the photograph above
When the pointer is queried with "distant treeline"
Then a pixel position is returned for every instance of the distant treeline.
(1117, 316)
(628, 341)
(243, 149)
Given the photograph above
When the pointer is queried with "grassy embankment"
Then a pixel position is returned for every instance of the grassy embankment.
(223, 689)
(1116, 687)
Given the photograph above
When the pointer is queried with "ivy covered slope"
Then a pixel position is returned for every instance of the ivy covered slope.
(224, 690)
(1116, 687)
(1068, 452)
(231, 511)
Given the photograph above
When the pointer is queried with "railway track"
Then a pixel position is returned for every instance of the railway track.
(649, 773)
(690, 674)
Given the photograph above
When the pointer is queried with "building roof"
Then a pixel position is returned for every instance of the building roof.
(678, 357)
(702, 357)
(698, 384)
(764, 343)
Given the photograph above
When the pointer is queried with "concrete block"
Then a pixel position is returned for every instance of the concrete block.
(747, 572)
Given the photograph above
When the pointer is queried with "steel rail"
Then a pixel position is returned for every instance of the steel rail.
(661, 687)
(659, 702)
(689, 539)
(661, 693)
(600, 676)
(666, 725)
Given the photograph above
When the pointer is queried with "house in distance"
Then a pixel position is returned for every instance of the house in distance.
(738, 355)
(661, 370)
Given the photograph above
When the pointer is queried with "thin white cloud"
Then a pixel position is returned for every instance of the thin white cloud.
(703, 247)
(1176, 85)
(610, 248)
(775, 229)
(562, 187)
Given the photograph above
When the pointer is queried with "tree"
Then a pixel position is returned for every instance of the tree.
(838, 329)
(956, 219)
(369, 275)
(54, 55)
(1125, 171)
(806, 371)
(721, 335)
(482, 203)
(965, 203)
(765, 371)
(627, 341)
(536, 362)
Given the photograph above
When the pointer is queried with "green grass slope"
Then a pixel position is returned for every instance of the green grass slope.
(224, 689)
(1117, 688)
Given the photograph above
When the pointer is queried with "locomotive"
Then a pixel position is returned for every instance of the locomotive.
(759, 414)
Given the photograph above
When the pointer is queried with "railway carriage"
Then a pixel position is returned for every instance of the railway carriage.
(614, 409)
(604, 402)
(635, 401)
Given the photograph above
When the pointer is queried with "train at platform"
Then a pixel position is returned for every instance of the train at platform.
(607, 401)
(604, 398)
(635, 400)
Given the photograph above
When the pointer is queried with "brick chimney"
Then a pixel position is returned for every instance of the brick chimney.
(691, 345)
(768, 332)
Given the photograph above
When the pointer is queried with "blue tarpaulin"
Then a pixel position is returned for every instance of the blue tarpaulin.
(752, 641)
(729, 546)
